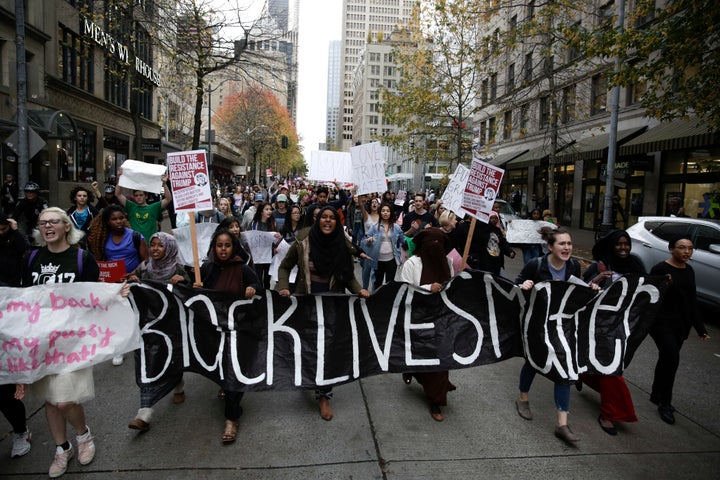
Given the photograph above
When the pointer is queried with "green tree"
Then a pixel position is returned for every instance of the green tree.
(434, 102)
(674, 51)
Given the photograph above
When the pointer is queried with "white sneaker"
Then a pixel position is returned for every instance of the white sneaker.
(20, 444)
(118, 360)
(60, 462)
(86, 448)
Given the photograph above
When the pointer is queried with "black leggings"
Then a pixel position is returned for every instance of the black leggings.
(12, 408)
(233, 410)
(385, 273)
(262, 270)
(669, 345)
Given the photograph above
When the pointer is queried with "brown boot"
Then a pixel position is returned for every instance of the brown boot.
(325, 409)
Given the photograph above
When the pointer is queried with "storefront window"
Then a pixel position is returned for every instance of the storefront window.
(674, 163)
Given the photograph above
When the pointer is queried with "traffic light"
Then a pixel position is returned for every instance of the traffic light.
(284, 141)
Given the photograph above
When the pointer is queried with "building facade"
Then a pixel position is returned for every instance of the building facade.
(363, 20)
(333, 94)
(78, 54)
(546, 119)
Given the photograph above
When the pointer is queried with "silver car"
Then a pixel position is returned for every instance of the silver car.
(650, 243)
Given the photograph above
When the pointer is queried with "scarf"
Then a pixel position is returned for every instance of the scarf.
(328, 252)
(432, 246)
(163, 268)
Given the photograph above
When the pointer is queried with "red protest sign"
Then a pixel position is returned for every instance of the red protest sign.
(482, 186)
(190, 181)
(112, 272)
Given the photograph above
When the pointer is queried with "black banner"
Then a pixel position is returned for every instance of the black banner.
(276, 342)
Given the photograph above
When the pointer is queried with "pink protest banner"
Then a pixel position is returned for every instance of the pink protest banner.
(112, 272)
(62, 327)
(482, 186)
(190, 181)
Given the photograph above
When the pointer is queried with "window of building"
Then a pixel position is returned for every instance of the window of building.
(605, 15)
(528, 68)
(493, 87)
(507, 125)
(484, 87)
(568, 114)
(573, 52)
(530, 10)
(513, 23)
(374, 69)
(76, 59)
(544, 111)
(598, 94)
(510, 84)
(116, 84)
(524, 118)
(492, 126)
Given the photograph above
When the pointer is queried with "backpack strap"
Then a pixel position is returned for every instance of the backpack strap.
(80, 261)
(137, 238)
(31, 256)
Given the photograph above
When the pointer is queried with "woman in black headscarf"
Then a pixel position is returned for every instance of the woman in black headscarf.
(612, 260)
(322, 254)
(430, 268)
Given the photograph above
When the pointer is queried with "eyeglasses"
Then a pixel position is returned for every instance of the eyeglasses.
(683, 248)
(52, 221)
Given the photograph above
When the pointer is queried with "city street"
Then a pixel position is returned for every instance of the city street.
(382, 429)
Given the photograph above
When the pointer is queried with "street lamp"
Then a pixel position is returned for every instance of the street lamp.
(251, 151)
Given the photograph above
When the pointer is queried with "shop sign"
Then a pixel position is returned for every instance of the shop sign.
(120, 51)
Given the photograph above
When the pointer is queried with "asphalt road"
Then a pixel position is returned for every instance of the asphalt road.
(382, 430)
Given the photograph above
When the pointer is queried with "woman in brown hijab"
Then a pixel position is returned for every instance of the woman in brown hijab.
(429, 268)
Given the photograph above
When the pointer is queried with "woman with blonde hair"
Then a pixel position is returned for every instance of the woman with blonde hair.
(63, 393)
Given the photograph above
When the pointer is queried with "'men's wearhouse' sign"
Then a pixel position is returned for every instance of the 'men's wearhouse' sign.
(114, 47)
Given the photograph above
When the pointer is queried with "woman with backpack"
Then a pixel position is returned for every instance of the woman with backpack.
(111, 239)
(557, 264)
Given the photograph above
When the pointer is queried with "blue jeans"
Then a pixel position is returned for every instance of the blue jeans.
(530, 251)
(562, 391)
(368, 274)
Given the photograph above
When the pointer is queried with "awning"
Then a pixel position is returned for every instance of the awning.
(596, 146)
(534, 156)
(505, 157)
(399, 176)
(674, 135)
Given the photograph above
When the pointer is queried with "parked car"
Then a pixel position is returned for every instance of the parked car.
(506, 211)
(650, 243)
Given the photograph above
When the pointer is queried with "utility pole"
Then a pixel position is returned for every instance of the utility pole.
(607, 220)
(22, 148)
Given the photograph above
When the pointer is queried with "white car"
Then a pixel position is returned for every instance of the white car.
(650, 243)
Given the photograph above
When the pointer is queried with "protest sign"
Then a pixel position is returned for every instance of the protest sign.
(400, 197)
(142, 176)
(482, 186)
(328, 166)
(183, 236)
(190, 180)
(304, 341)
(526, 231)
(453, 195)
(62, 327)
(112, 272)
(277, 259)
(368, 164)
(261, 245)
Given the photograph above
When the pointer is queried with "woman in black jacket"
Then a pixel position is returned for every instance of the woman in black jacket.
(558, 264)
(678, 312)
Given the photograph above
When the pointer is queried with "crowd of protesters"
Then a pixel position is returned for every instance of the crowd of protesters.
(329, 229)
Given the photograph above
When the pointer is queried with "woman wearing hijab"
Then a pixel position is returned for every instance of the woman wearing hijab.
(323, 257)
(612, 260)
(429, 268)
(161, 266)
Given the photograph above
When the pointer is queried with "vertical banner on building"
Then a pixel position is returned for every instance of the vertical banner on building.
(452, 197)
(368, 164)
(482, 186)
(190, 181)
